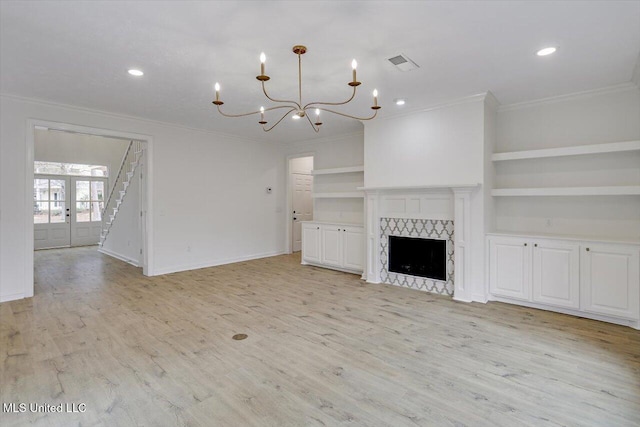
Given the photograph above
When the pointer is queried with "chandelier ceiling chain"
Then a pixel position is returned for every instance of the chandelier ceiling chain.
(296, 107)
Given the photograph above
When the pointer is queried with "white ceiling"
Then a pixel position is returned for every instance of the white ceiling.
(78, 52)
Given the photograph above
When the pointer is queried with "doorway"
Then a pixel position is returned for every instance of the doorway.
(67, 210)
(300, 196)
(146, 188)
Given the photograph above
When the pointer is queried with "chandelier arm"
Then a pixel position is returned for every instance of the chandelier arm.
(316, 129)
(264, 90)
(350, 116)
(309, 105)
(237, 115)
(253, 112)
(281, 119)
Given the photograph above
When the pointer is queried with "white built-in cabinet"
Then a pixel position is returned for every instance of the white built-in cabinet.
(610, 280)
(583, 277)
(333, 245)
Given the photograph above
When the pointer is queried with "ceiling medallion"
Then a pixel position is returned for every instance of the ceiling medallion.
(296, 107)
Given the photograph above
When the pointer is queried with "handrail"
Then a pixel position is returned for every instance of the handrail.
(115, 183)
(126, 166)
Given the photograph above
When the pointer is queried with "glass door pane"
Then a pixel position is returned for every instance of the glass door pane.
(83, 213)
(96, 211)
(40, 212)
(97, 191)
(57, 190)
(82, 191)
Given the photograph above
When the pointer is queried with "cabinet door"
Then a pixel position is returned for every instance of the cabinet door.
(353, 248)
(311, 243)
(331, 245)
(510, 268)
(556, 274)
(610, 280)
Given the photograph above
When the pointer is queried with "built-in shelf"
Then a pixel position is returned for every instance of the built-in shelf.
(628, 190)
(611, 147)
(340, 195)
(350, 169)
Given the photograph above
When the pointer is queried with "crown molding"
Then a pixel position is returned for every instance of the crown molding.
(491, 100)
(623, 87)
(459, 101)
(127, 117)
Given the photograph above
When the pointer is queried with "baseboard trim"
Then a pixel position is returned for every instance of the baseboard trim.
(118, 256)
(11, 297)
(214, 263)
(570, 312)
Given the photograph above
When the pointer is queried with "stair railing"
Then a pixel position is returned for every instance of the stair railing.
(126, 166)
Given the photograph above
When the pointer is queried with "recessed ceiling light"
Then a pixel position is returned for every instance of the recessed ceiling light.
(135, 72)
(400, 102)
(546, 51)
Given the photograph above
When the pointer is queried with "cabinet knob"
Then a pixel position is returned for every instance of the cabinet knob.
(535, 245)
(587, 249)
(525, 244)
(317, 228)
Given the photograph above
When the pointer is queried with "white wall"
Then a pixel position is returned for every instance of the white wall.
(610, 115)
(209, 200)
(53, 146)
(335, 152)
(591, 118)
(302, 165)
(441, 146)
(124, 239)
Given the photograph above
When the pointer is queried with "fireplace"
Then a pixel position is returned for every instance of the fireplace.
(425, 257)
(418, 257)
(427, 212)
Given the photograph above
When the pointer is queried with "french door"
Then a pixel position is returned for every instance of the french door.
(67, 210)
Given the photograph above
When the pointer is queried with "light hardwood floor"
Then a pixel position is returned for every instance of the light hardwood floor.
(323, 348)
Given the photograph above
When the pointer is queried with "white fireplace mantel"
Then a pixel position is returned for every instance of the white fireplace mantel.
(441, 202)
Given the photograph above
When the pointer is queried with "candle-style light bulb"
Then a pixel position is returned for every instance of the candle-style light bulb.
(263, 59)
(375, 97)
(217, 88)
(354, 65)
(262, 122)
(318, 112)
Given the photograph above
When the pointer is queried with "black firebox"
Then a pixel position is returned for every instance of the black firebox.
(418, 257)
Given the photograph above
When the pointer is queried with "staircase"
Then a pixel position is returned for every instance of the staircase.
(130, 163)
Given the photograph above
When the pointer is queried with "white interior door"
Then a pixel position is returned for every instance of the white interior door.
(302, 203)
(51, 212)
(87, 197)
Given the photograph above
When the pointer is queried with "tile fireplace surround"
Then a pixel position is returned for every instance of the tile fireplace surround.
(441, 212)
(420, 228)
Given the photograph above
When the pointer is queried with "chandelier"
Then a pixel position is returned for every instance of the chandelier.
(299, 110)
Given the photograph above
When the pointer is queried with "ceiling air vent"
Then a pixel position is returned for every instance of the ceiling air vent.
(403, 63)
